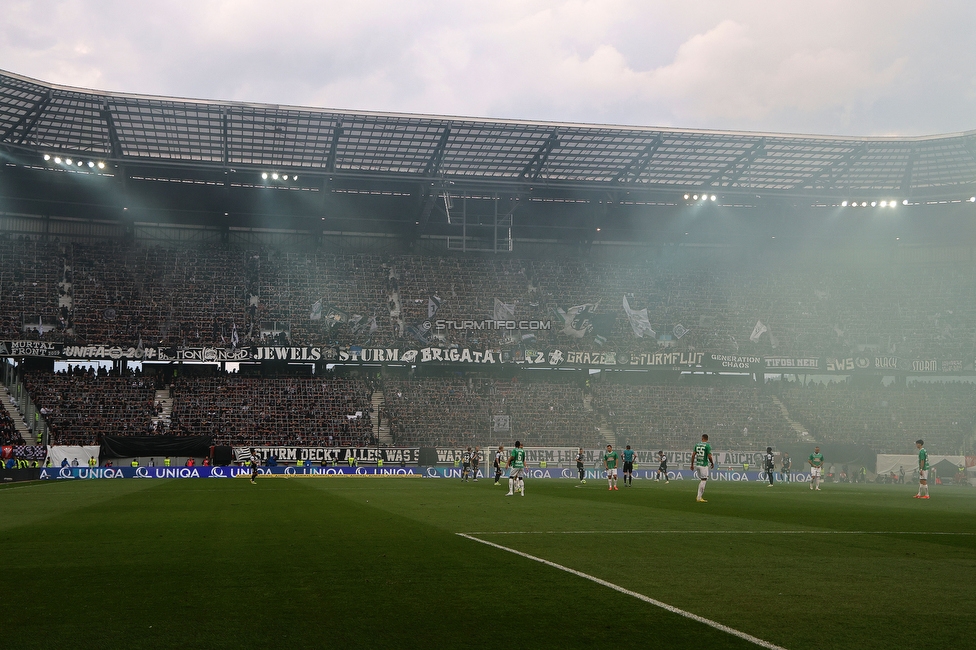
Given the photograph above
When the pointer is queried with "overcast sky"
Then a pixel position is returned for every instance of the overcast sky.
(868, 67)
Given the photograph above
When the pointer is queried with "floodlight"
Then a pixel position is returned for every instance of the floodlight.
(864, 204)
(884, 204)
(57, 159)
(695, 197)
(285, 177)
(101, 165)
(47, 156)
(874, 203)
(904, 202)
(274, 176)
(91, 164)
(67, 161)
(686, 197)
(264, 175)
(713, 197)
(294, 178)
(892, 203)
(972, 199)
(843, 204)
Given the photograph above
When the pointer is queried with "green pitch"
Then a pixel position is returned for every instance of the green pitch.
(370, 562)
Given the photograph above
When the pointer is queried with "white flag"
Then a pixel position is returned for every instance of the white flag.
(638, 321)
(433, 304)
(757, 331)
(316, 313)
(504, 310)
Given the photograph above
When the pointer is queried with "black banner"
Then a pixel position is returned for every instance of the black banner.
(131, 446)
(333, 455)
(30, 349)
(805, 364)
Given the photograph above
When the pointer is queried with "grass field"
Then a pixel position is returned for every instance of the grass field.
(378, 562)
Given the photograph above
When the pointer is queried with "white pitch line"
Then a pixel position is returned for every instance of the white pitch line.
(657, 603)
(718, 532)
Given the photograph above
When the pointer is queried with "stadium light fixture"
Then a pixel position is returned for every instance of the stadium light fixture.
(264, 175)
(712, 197)
(67, 161)
(904, 202)
(91, 164)
(47, 156)
(274, 175)
(892, 203)
(101, 165)
(864, 204)
(972, 199)
(843, 204)
(285, 177)
(874, 204)
(884, 204)
(57, 159)
(294, 178)
(696, 198)
(686, 197)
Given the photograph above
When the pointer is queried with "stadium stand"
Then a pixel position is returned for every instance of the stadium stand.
(249, 411)
(667, 417)
(83, 405)
(456, 412)
(8, 431)
(121, 293)
(943, 414)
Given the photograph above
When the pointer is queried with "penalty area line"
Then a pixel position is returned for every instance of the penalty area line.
(647, 599)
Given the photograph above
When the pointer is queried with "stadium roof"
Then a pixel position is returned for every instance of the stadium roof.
(38, 118)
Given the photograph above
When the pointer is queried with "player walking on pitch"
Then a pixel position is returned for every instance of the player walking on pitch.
(580, 457)
(816, 461)
(465, 464)
(629, 467)
(497, 464)
(923, 470)
(787, 464)
(516, 461)
(662, 469)
(254, 467)
(770, 466)
(701, 460)
(475, 461)
(610, 459)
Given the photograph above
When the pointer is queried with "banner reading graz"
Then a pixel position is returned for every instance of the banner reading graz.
(30, 349)
(336, 455)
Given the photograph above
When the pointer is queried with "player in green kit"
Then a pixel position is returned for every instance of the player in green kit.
(923, 471)
(610, 459)
(516, 462)
(701, 461)
(629, 466)
(816, 462)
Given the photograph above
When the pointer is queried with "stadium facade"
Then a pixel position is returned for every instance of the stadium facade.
(179, 233)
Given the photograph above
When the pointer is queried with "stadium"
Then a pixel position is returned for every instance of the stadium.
(209, 289)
